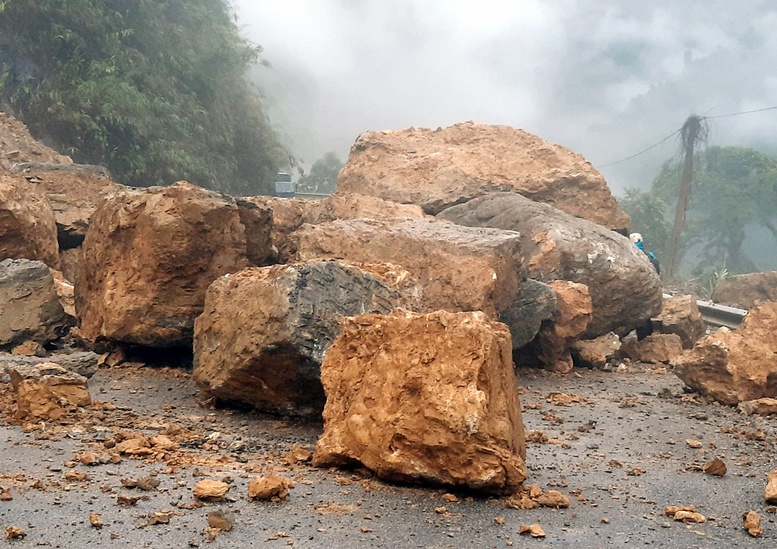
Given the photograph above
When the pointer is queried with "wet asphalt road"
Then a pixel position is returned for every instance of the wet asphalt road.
(621, 456)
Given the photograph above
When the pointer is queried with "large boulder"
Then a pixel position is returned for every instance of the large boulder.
(681, 316)
(47, 391)
(734, 366)
(424, 398)
(459, 268)
(258, 223)
(83, 363)
(355, 206)
(439, 168)
(74, 191)
(745, 290)
(29, 304)
(148, 258)
(26, 222)
(551, 347)
(535, 303)
(625, 288)
(288, 214)
(264, 331)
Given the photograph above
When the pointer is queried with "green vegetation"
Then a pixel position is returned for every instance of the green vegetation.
(322, 177)
(153, 89)
(734, 189)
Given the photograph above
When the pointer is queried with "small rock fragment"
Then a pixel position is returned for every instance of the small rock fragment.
(14, 532)
(450, 498)
(670, 510)
(715, 467)
(5, 494)
(499, 520)
(298, 454)
(535, 530)
(770, 494)
(752, 523)
(95, 521)
(689, 516)
(211, 490)
(269, 487)
(146, 484)
(693, 443)
(553, 498)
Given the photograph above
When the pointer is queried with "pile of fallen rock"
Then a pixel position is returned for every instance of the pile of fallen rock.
(398, 308)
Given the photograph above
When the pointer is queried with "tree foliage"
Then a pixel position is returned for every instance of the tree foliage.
(734, 189)
(322, 177)
(153, 89)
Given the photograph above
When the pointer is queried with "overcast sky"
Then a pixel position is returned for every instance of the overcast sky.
(606, 78)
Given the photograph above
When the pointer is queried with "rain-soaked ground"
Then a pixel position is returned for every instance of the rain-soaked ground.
(633, 444)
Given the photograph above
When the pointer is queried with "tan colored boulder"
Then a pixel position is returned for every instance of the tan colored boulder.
(426, 398)
(625, 289)
(356, 206)
(595, 353)
(734, 366)
(681, 316)
(439, 168)
(654, 348)
(258, 223)
(288, 214)
(74, 191)
(148, 258)
(459, 268)
(264, 331)
(65, 291)
(29, 305)
(745, 290)
(17, 145)
(759, 406)
(26, 222)
(68, 263)
(571, 319)
(46, 390)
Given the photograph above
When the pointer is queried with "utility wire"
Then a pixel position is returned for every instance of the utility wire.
(642, 151)
(678, 131)
(743, 112)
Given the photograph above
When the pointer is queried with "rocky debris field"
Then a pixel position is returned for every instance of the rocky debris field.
(608, 453)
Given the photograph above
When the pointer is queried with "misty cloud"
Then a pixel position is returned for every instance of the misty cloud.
(604, 78)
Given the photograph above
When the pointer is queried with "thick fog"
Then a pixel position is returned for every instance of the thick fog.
(605, 78)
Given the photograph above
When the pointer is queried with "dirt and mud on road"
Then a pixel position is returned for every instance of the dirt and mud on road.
(622, 445)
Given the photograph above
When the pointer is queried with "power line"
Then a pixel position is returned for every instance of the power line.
(642, 151)
(679, 130)
(743, 112)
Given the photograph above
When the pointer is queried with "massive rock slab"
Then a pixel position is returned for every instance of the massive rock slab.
(29, 304)
(27, 227)
(439, 168)
(264, 331)
(745, 290)
(74, 191)
(459, 268)
(738, 365)
(625, 288)
(426, 398)
(148, 258)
